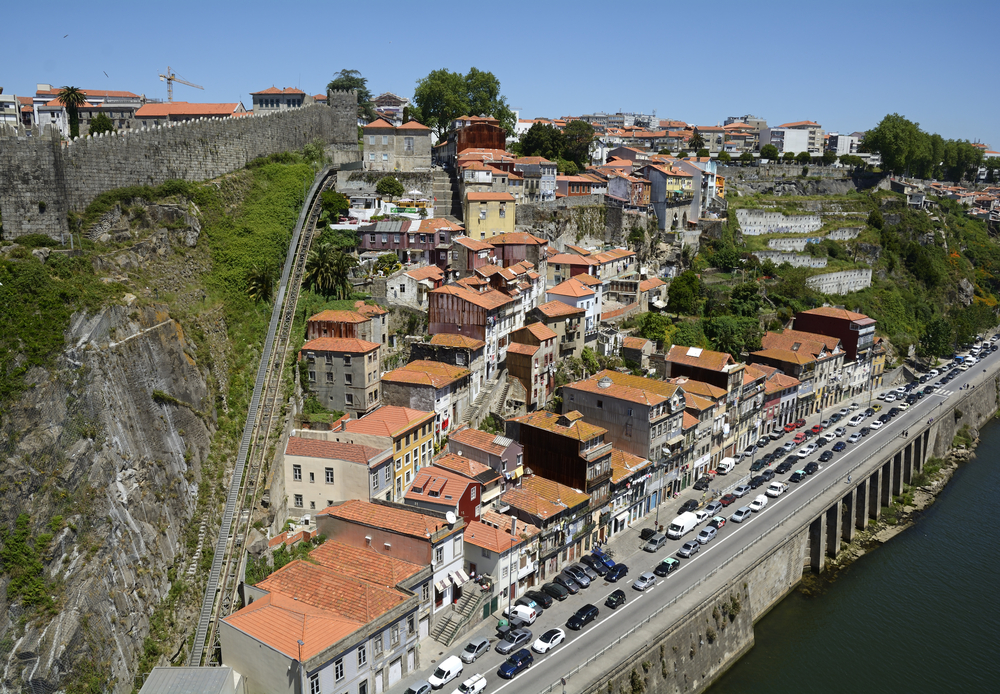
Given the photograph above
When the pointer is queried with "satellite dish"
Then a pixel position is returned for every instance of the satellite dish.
(450, 517)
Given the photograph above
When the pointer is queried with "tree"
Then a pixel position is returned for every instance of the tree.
(697, 141)
(875, 220)
(769, 151)
(852, 160)
(654, 326)
(343, 263)
(386, 264)
(72, 99)
(803, 157)
(352, 79)
(829, 158)
(577, 136)
(101, 124)
(442, 96)
(542, 141)
(745, 300)
(567, 167)
(726, 259)
(682, 154)
(684, 292)
(703, 153)
(936, 340)
(590, 360)
(321, 269)
(724, 157)
(747, 158)
(260, 282)
(334, 205)
(789, 157)
(388, 186)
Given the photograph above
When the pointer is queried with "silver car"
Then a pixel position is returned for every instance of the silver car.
(741, 490)
(707, 534)
(474, 649)
(577, 575)
(513, 640)
(591, 574)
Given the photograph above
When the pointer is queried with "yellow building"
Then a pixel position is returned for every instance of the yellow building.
(410, 434)
(489, 214)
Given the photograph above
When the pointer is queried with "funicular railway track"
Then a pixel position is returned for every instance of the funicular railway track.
(263, 415)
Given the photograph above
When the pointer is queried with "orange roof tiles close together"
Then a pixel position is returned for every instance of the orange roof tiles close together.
(332, 450)
(426, 372)
(388, 420)
(391, 518)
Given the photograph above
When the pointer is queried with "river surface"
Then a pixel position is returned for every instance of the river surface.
(919, 614)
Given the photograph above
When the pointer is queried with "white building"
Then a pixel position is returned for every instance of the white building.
(842, 144)
(785, 139)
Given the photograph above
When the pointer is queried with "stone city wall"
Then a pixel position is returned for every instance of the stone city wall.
(841, 282)
(44, 177)
(792, 259)
(758, 222)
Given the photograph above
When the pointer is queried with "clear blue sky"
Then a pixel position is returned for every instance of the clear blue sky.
(844, 65)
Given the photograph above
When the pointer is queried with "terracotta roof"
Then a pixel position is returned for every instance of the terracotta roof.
(571, 287)
(489, 197)
(653, 391)
(412, 125)
(390, 518)
(634, 342)
(428, 272)
(752, 373)
(588, 280)
(424, 372)
(506, 523)
(339, 344)
(843, 314)
(437, 486)
(91, 93)
(792, 343)
(518, 348)
(466, 468)
(531, 503)
(517, 238)
(379, 123)
(487, 300)
(785, 355)
(319, 97)
(480, 440)
(59, 103)
(607, 315)
(700, 388)
(704, 358)
(275, 90)
(388, 420)
(541, 331)
(490, 538)
(578, 250)
(554, 492)
(697, 403)
(780, 382)
(689, 421)
(572, 259)
(565, 424)
(651, 283)
(340, 317)
(364, 563)
(799, 123)
(369, 310)
(533, 160)
(629, 393)
(183, 108)
(450, 340)
(488, 270)
(624, 465)
(554, 309)
(332, 450)
(831, 341)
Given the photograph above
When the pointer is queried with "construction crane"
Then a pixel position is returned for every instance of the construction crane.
(170, 78)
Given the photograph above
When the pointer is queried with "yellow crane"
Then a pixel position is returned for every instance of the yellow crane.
(170, 78)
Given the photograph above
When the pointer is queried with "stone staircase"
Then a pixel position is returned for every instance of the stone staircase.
(448, 200)
(484, 402)
(464, 613)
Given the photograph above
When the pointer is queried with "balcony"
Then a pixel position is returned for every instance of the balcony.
(596, 452)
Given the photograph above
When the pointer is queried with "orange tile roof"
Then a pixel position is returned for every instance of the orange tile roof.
(533, 160)
(488, 270)
(588, 280)
(624, 465)
(689, 421)
(428, 272)
(488, 300)
(506, 523)
(427, 373)
(275, 90)
(58, 102)
(518, 348)
(577, 429)
(706, 359)
(183, 108)
(780, 382)
(792, 343)
(480, 440)
(391, 518)
(798, 123)
(634, 342)
(517, 238)
(554, 492)
(91, 93)
(531, 503)
(572, 259)
(700, 388)
(578, 250)
(489, 197)
(843, 314)
(333, 450)
(380, 124)
(466, 468)
(412, 125)
(663, 389)
(619, 391)
(388, 420)
(364, 563)
(785, 355)
(651, 283)
(490, 538)
(437, 486)
(340, 316)
(369, 310)
(571, 287)
(831, 341)
(541, 331)
(607, 315)
(450, 340)
(555, 309)
(339, 344)
(697, 403)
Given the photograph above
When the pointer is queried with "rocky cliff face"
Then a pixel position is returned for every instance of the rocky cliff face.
(103, 454)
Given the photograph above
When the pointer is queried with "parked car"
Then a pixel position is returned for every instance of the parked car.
(584, 616)
(758, 465)
(865, 431)
(449, 668)
(618, 572)
(707, 534)
(840, 431)
(811, 468)
(799, 423)
(776, 489)
(474, 685)
(797, 476)
(741, 514)
(703, 483)
(596, 563)
(839, 446)
(743, 489)
(578, 575)
(567, 582)
(826, 456)
(543, 599)
(646, 580)
(758, 503)
(788, 447)
(768, 475)
(475, 648)
(701, 515)
(854, 438)
(513, 640)
(817, 428)
(727, 499)
(666, 567)
(689, 505)
(689, 549)
(516, 663)
(756, 481)
(784, 467)
(789, 428)
(555, 590)
(717, 522)
(776, 434)
(616, 599)
(421, 687)
(856, 420)
(549, 640)
(713, 507)
(646, 533)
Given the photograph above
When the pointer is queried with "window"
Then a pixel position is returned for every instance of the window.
(600, 404)
(348, 379)
(371, 238)
(457, 548)
(399, 463)
(385, 139)
(329, 377)
(349, 399)
(410, 238)
(385, 238)
(297, 473)
(312, 505)
(408, 145)
(338, 669)
(298, 501)
(362, 655)
(312, 477)
(371, 139)
(385, 157)
(377, 646)
(486, 553)
(395, 238)
(329, 475)
(394, 636)
(482, 210)
(374, 481)
(347, 360)
(312, 376)
(399, 445)
(503, 209)
(407, 458)
(438, 553)
(425, 592)
(630, 412)
(388, 473)
(472, 494)
(314, 683)
(409, 475)
(371, 157)
(402, 289)
(423, 238)
(411, 624)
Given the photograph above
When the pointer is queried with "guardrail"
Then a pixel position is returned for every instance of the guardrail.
(895, 442)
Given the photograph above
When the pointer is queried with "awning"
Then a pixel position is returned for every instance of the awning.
(459, 577)
(442, 585)
(675, 440)
(622, 517)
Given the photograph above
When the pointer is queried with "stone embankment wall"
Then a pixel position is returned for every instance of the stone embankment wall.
(841, 282)
(44, 178)
(777, 257)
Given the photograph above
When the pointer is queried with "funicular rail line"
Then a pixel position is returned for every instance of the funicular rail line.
(263, 413)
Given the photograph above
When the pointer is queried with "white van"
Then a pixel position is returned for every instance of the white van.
(726, 466)
(449, 669)
(525, 614)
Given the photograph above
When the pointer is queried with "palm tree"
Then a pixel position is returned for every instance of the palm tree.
(321, 269)
(343, 263)
(72, 99)
(260, 282)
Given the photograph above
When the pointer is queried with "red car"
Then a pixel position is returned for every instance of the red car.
(800, 423)
(799, 438)
(789, 428)
(728, 499)
(816, 429)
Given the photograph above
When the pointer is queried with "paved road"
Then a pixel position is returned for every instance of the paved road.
(733, 537)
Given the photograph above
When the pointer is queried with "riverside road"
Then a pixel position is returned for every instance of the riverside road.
(687, 586)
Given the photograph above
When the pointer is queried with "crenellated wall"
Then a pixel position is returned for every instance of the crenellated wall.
(44, 178)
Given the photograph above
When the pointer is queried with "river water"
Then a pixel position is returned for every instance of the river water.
(919, 614)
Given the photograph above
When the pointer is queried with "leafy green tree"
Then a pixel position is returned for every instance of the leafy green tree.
(747, 158)
(726, 335)
(768, 268)
(352, 79)
(852, 160)
(483, 92)
(334, 205)
(343, 263)
(789, 157)
(101, 124)
(697, 141)
(829, 158)
(875, 220)
(654, 326)
(745, 299)
(726, 259)
(690, 334)
(567, 167)
(769, 151)
(321, 270)
(725, 158)
(387, 263)
(389, 186)
(542, 141)
(703, 153)
(72, 99)
(682, 154)
(936, 340)
(590, 360)
(803, 157)
(684, 293)
(442, 96)
(577, 137)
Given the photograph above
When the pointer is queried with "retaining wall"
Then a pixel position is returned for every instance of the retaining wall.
(842, 282)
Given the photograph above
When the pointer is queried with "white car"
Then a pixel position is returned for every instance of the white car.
(830, 437)
(856, 420)
(891, 397)
(473, 685)
(701, 515)
(903, 405)
(646, 580)
(449, 669)
(876, 425)
(804, 452)
(776, 489)
(758, 504)
(549, 640)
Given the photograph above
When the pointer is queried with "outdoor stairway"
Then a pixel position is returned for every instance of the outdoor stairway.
(463, 613)
(481, 402)
(447, 200)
